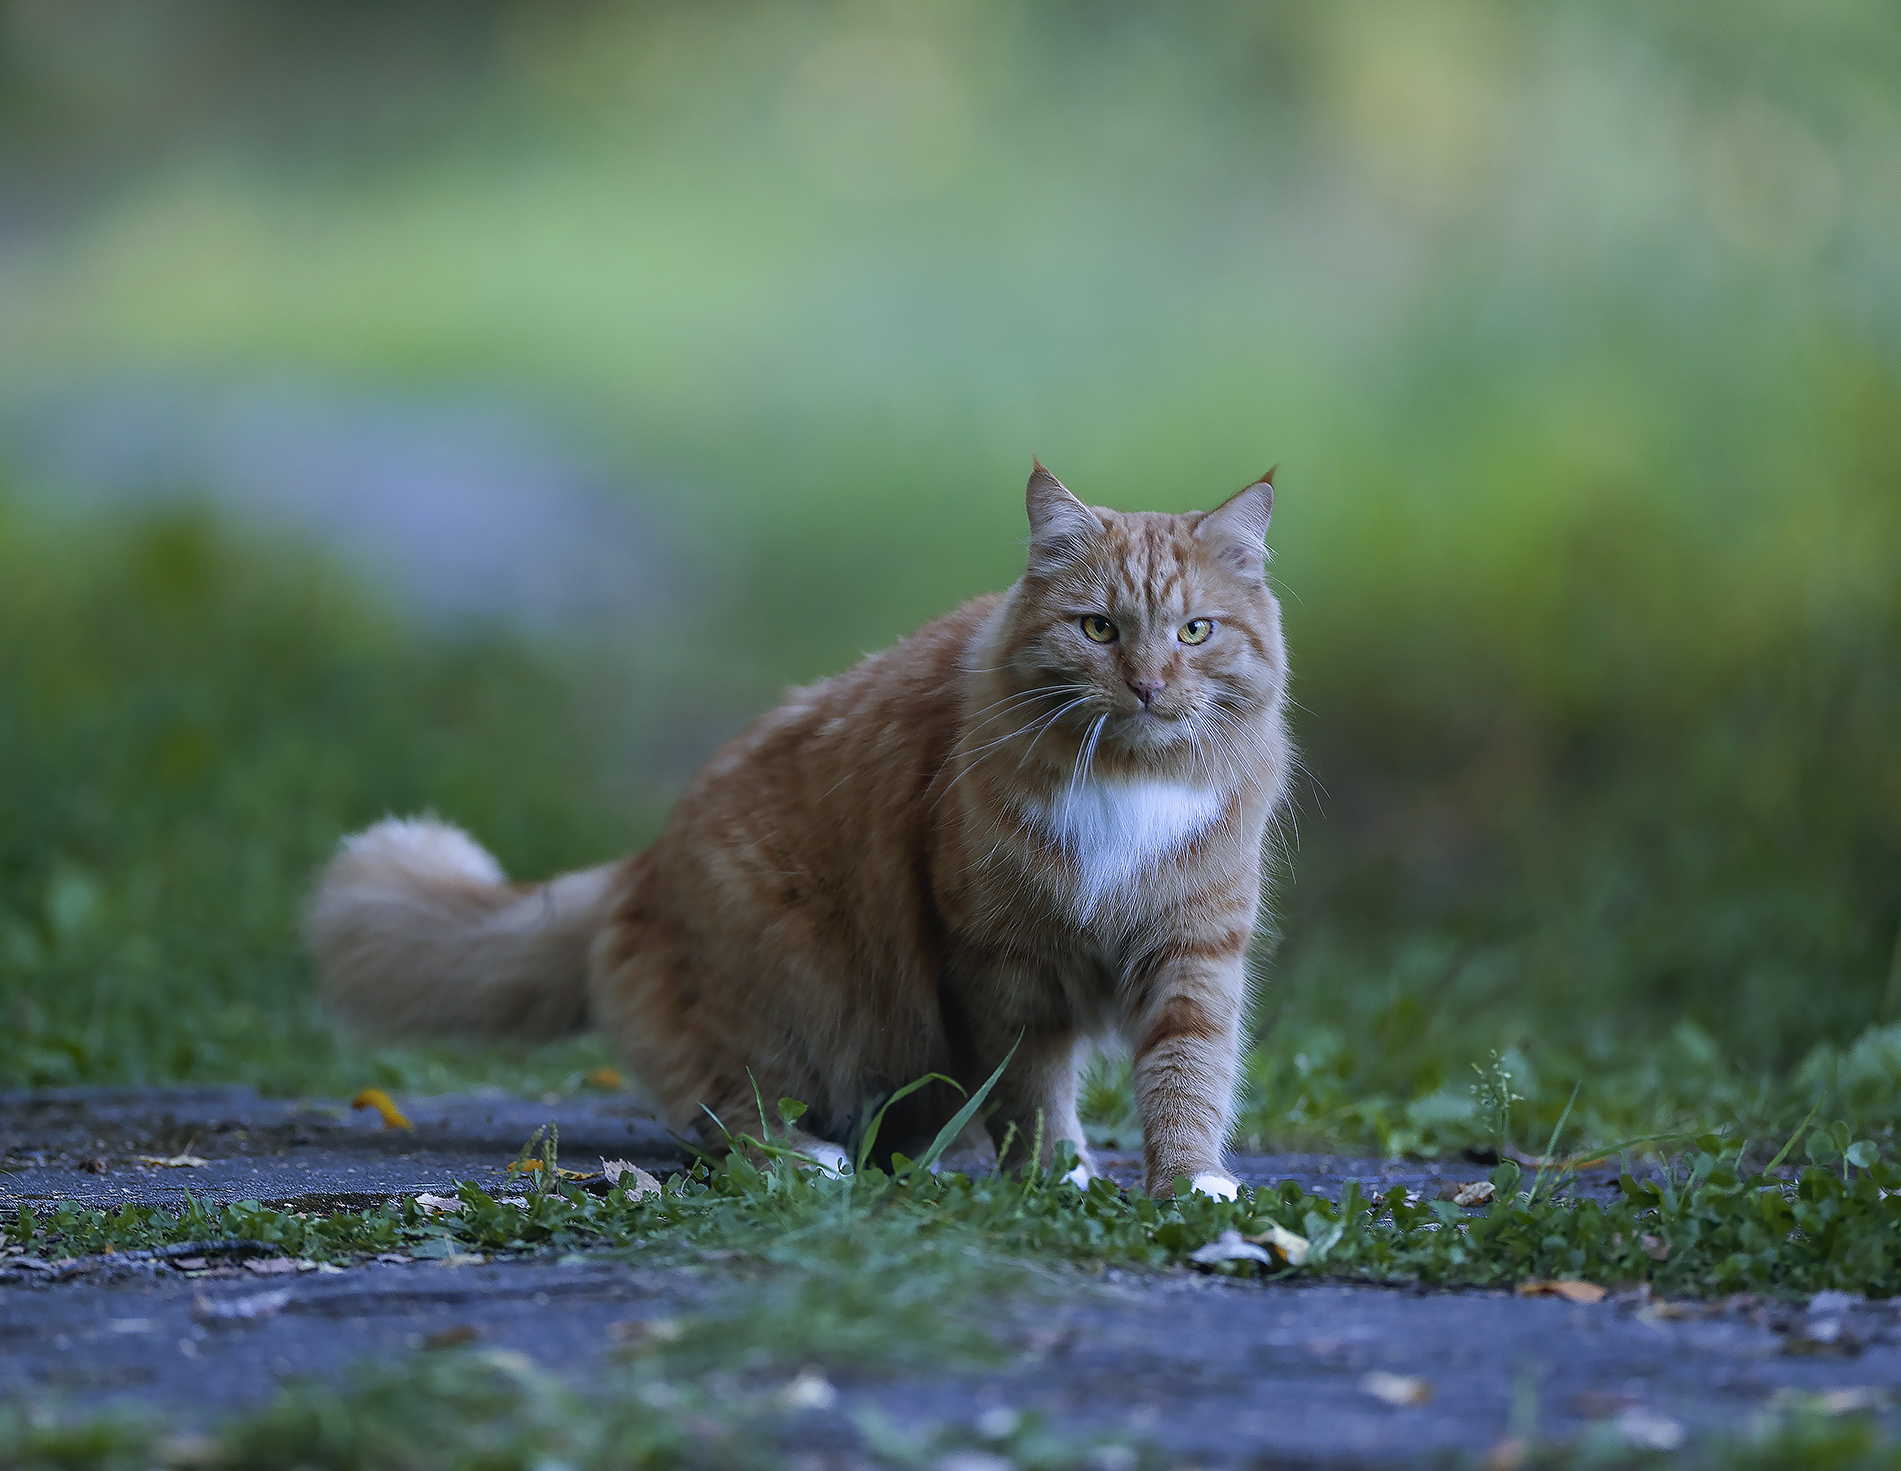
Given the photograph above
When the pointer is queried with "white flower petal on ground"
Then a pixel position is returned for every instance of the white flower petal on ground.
(1401, 1391)
(1229, 1247)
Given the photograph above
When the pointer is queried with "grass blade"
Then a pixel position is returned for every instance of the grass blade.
(871, 1129)
(947, 1135)
(1800, 1130)
(1551, 1149)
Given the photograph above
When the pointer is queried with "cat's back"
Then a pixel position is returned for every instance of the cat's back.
(848, 758)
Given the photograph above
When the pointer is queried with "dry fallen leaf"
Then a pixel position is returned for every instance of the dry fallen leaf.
(377, 1099)
(1291, 1248)
(604, 1077)
(537, 1166)
(1655, 1247)
(1471, 1192)
(1571, 1291)
(640, 1186)
(438, 1205)
(174, 1161)
(1397, 1390)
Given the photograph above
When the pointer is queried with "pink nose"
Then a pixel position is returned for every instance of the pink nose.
(1146, 689)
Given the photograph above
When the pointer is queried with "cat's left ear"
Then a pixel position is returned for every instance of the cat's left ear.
(1237, 528)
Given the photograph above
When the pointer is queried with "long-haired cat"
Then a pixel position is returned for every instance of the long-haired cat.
(1040, 817)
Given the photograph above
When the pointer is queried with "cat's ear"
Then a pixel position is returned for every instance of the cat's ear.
(1237, 528)
(1058, 521)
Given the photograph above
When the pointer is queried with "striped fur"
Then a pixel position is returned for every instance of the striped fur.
(997, 833)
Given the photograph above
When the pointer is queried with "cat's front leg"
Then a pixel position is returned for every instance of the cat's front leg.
(1186, 1033)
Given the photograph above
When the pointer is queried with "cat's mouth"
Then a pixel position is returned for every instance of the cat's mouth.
(1154, 726)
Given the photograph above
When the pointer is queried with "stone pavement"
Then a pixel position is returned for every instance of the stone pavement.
(1219, 1372)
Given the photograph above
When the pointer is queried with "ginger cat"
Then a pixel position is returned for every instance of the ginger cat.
(1040, 816)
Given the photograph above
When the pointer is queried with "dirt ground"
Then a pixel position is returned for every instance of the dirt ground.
(1215, 1371)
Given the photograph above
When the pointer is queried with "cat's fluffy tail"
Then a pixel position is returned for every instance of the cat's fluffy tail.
(418, 933)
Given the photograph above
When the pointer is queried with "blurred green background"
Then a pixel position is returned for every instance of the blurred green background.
(1574, 328)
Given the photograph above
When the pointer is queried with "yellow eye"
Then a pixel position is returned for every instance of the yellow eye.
(1100, 629)
(1195, 630)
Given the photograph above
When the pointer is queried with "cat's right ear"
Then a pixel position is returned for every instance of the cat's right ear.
(1058, 521)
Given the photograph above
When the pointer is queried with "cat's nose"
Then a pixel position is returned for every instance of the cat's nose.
(1146, 689)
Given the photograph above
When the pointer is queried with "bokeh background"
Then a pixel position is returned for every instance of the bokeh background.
(488, 407)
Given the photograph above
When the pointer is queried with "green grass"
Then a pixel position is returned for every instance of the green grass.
(463, 1411)
(1719, 1218)
(487, 1409)
(190, 722)
(195, 716)
(1585, 530)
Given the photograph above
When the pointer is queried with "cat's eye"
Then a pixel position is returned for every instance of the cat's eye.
(1195, 631)
(1098, 628)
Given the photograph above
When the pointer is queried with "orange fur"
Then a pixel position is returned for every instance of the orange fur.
(1000, 828)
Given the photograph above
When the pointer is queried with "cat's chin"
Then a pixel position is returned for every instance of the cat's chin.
(1153, 734)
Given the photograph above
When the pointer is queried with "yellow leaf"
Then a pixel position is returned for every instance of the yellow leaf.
(605, 1077)
(377, 1099)
(1571, 1291)
(536, 1166)
(1292, 1249)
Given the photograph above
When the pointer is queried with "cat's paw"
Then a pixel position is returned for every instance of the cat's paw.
(828, 1157)
(1080, 1177)
(1221, 1187)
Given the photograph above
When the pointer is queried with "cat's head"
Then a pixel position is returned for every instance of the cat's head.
(1154, 635)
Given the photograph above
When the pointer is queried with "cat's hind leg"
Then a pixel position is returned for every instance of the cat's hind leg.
(693, 1044)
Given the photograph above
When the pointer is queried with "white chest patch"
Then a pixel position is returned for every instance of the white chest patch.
(1114, 831)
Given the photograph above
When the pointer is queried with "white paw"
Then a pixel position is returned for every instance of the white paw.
(828, 1157)
(1221, 1187)
(1079, 1177)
